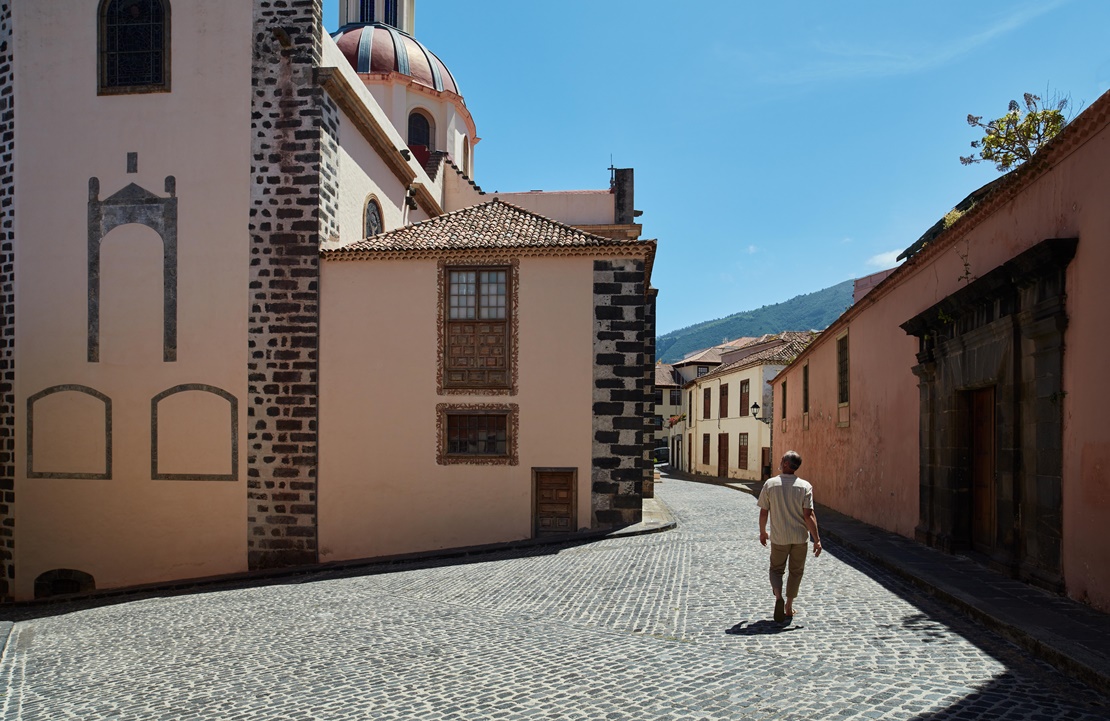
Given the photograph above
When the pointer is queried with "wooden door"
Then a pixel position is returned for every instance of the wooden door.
(690, 454)
(722, 455)
(982, 454)
(555, 501)
(765, 463)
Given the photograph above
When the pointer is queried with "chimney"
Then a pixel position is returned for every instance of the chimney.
(624, 212)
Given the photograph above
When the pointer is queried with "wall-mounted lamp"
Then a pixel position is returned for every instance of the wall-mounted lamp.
(755, 414)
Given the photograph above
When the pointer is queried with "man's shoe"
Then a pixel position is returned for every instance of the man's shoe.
(780, 610)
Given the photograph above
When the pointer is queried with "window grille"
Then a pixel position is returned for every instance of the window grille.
(134, 43)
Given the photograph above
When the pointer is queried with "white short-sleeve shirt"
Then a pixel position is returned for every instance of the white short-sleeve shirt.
(786, 496)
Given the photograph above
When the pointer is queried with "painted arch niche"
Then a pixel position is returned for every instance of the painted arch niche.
(194, 434)
(137, 264)
(69, 433)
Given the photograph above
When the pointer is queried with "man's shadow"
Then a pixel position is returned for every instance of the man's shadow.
(761, 628)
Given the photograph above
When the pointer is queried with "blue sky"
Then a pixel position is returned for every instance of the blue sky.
(779, 148)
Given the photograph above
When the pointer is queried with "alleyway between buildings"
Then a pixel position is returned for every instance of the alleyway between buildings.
(672, 625)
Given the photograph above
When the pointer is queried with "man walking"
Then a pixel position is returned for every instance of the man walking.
(788, 501)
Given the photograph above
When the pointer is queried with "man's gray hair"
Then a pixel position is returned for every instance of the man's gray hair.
(793, 458)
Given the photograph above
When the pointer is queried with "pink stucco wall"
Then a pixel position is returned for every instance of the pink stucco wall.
(381, 489)
(869, 469)
(130, 528)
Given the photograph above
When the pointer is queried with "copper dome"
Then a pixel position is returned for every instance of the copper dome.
(380, 48)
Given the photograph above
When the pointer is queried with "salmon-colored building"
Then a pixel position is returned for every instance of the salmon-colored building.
(257, 314)
(959, 402)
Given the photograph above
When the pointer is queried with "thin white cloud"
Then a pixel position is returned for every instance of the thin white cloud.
(849, 62)
(752, 250)
(883, 261)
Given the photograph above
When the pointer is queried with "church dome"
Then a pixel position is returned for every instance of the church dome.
(380, 48)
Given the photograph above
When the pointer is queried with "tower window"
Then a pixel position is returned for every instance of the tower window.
(366, 11)
(374, 223)
(420, 130)
(134, 46)
(391, 12)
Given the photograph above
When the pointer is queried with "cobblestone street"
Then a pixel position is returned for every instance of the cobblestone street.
(672, 625)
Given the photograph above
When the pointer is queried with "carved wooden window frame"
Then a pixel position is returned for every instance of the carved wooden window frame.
(443, 386)
(511, 413)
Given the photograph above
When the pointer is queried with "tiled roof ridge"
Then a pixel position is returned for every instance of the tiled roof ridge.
(381, 243)
(603, 239)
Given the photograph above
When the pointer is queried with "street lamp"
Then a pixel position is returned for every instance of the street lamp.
(755, 414)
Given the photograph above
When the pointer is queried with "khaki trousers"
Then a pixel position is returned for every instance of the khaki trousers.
(795, 554)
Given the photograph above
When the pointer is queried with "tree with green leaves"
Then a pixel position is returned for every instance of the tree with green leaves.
(1012, 139)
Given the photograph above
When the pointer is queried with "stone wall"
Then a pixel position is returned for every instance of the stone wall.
(1002, 334)
(7, 301)
(294, 196)
(649, 393)
(620, 345)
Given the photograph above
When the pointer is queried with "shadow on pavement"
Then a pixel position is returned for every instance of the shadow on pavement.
(761, 628)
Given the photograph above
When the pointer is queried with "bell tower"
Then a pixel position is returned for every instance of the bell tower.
(400, 14)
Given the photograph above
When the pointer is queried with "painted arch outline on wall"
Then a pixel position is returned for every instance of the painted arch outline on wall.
(233, 404)
(69, 388)
(134, 204)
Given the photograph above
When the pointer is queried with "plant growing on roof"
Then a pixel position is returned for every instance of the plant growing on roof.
(1012, 139)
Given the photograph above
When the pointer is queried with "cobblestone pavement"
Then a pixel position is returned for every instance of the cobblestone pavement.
(673, 625)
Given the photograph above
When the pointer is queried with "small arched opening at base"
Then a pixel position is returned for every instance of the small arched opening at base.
(63, 582)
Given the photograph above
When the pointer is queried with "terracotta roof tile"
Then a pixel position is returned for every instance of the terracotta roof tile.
(793, 343)
(492, 225)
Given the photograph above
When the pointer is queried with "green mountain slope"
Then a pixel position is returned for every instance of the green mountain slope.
(813, 311)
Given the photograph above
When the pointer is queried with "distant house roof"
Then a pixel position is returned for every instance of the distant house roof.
(791, 344)
(706, 356)
(495, 225)
(665, 376)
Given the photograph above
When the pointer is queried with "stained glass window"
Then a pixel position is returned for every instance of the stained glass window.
(134, 45)
(373, 218)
